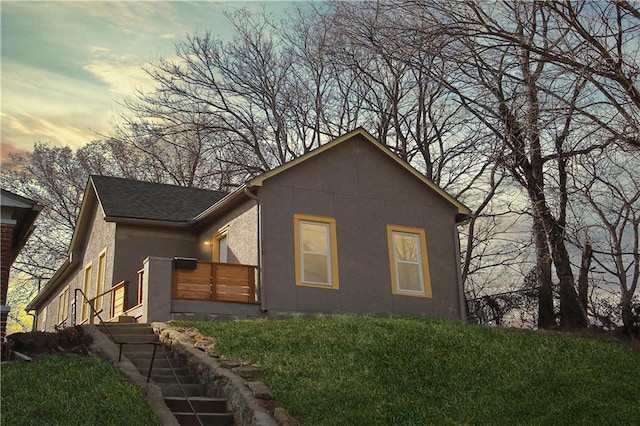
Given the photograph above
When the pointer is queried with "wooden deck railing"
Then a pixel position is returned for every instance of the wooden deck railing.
(118, 299)
(224, 282)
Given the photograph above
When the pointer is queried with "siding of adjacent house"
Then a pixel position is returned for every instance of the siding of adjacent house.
(100, 237)
(364, 191)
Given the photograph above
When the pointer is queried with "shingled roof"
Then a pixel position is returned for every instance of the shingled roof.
(132, 199)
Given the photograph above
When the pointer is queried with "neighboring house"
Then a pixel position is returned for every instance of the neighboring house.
(18, 215)
(348, 227)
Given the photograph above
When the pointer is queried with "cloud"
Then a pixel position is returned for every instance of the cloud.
(66, 64)
(122, 73)
(8, 150)
(21, 130)
(38, 105)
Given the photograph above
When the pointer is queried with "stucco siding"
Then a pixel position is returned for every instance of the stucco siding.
(364, 191)
(135, 243)
(241, 224)
(98, 239)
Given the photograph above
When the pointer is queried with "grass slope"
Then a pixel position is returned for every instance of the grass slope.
(368, 370)
(58, 390)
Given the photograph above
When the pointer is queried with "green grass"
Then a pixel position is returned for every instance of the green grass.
(58, 390)
(367, 370)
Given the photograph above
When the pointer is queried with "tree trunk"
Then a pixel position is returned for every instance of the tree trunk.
(627, 313)
(585, 264)
(546, 315)
(572, 312)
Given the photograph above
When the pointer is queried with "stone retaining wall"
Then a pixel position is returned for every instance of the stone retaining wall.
(249, 398)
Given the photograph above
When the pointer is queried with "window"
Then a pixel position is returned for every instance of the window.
(316, 251)
(102, 264)
(86, 287)
(220, 246)
(63, 306)
(42, 319)
(408, 260)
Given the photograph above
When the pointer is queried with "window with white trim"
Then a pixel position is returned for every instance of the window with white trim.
(316, 251)
(86, 288)
(63, 306)
(408, 261)
(102, 267)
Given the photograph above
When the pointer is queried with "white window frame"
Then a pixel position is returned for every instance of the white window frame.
(63, 306)
(85, 311)
(100, 280)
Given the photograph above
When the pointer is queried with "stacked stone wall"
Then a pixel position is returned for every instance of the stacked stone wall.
(249, 398)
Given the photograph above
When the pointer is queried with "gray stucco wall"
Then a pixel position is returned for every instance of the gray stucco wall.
(136, 243)
(364, 191)
(242, 234)
(100, 237)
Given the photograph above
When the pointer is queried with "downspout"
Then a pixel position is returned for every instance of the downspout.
(461, 296)
(261, 292)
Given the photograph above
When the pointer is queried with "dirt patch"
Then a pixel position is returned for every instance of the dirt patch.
(68, 341)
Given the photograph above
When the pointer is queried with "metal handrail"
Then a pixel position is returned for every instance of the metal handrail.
(120, 344)
(175, 376)
(104, 293)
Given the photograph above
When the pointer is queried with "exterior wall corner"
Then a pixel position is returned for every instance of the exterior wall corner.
(156, 289)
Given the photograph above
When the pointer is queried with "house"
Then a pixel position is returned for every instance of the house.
(348, 227)
(17, 218)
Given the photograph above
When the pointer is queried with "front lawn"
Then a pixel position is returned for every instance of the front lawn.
(370, 370)
(64, 390)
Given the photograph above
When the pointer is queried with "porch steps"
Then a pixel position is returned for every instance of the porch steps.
(211, 411)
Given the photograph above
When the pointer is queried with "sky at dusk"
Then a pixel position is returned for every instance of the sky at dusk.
(67, 64)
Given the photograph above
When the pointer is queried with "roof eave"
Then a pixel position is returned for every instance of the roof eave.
(74, 246)
(462, 217)
(26, 229)
(82, 223)
(221, 205)
(67, 267)
(146, 222)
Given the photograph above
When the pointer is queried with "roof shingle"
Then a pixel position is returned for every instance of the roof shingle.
(126, 198)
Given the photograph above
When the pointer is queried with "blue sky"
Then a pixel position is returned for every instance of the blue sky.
(66, 64)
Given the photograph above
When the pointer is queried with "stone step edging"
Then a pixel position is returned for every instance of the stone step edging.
(249, 398)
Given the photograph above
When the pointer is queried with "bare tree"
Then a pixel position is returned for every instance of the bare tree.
(594, 40)
(609, 184)
(54, 177)
(533, 107)
(226, 103)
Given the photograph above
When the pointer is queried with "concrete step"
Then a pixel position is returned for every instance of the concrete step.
(127, 328)
(159, 362)
(140, 350)
(173, 389)
(147, 355)
(165, 371)
(202, 404)
(170, 378)
(211, 411)
(137, 340)
(207, 419)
